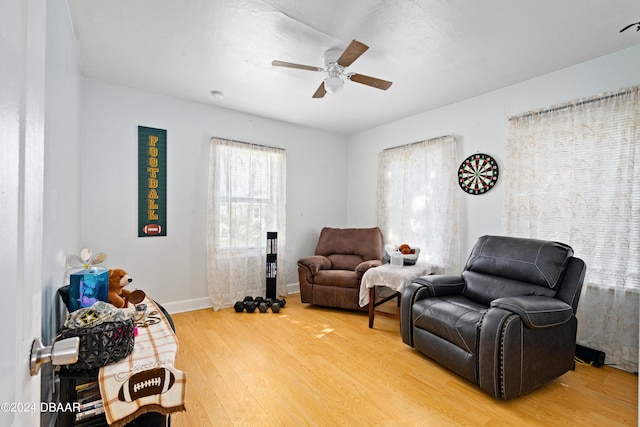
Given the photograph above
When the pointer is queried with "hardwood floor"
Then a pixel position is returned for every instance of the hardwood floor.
(317, 366)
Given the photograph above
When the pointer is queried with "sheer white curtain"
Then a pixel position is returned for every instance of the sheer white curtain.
(572, 174)
(417, 201)
(247, 188)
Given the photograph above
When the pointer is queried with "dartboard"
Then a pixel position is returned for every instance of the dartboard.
(478, 173)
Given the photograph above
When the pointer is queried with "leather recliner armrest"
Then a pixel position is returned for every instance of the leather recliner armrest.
(365, 265)
(315, 263)
(440, 285)
(536, 311)
(420, 288)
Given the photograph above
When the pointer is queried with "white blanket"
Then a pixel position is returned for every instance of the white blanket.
(146, 381)
(394, 278)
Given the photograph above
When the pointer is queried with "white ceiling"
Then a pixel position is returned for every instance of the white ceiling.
(435, 52)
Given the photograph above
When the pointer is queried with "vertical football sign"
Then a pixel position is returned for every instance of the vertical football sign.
(152, 182)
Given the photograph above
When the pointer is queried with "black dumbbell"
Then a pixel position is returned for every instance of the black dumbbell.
(239, 306)
(250, 306)
(265, 304)
(275, 307)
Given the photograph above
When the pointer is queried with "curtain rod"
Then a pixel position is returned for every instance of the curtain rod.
(419, 142)
(248, 143)
(596, 98)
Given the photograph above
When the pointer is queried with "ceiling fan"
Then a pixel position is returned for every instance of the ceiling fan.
(335, 64)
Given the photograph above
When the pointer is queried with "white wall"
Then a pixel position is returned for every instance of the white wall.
(62, 168)
(62, 174)
(173, 268)
(480, 125)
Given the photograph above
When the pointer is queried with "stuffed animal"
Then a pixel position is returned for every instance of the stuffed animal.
(118, 279)
(406, 249)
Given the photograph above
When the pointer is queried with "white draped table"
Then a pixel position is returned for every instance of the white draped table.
(391, 277)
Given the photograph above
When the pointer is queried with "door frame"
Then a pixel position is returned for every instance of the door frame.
(22, 72)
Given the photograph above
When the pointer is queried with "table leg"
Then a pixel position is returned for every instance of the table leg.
(372, 305)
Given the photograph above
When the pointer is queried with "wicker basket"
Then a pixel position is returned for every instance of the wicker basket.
(407, 259)
(102, 344)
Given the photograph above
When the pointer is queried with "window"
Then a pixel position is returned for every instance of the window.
(246, 200)
(417, 201)
(573, 175)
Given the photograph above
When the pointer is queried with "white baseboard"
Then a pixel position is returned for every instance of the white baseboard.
(205, 302)
(187, 305)
(293, 288)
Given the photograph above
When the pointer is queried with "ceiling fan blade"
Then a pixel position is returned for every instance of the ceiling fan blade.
(320, 92)
(351, 53)
(292, 65)
(631, 25)
(370, 81)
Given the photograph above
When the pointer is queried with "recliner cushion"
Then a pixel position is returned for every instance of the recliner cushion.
(337, 278)
(364, 242)
(453, 318)
(484, 288)
(344, 262)
(528, 260)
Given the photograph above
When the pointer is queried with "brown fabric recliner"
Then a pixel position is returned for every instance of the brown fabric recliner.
(332, 276)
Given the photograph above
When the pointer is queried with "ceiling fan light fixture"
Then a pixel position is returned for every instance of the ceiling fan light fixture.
(335, 63)
(333, 84)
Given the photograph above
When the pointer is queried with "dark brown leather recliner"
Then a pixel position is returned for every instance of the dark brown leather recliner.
(508, 322)
(332, 276)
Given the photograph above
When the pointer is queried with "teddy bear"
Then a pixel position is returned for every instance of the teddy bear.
(406, 249)
(118, 295)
